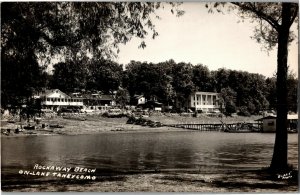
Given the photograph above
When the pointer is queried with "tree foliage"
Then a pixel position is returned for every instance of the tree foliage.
(104, 75)
(253, 93)
(69, 76)
(35, 32)
(202, 78)
(228, 99)
(122, 97)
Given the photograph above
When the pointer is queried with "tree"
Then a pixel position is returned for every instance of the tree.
(220, 78)
(228, 99)
(273, 28)
(104, 75)
(271, 92)
(151, 80)
(21, 75)
(182, 82)
(202, 78)
(69, 76)
(43, 30)
(292, 84)
(122, 97)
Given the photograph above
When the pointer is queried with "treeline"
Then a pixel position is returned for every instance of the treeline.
(169, 82)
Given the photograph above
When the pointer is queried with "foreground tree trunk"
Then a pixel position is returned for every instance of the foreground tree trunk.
(280, 157)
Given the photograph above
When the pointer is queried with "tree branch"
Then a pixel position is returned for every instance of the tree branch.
(259, 13)
(294, 16)
(61, 42)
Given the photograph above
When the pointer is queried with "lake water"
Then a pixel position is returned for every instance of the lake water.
(208, 152)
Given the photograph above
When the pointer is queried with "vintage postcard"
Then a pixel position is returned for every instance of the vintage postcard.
(149, 97)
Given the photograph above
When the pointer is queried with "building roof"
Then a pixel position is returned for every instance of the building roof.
(289, 117)
(138, 96)
(153, 103)
(293, 116)
(50, 91)
(105, 97)
(205, 93)
(266, 117)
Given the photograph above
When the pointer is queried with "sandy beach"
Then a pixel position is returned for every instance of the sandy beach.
(94, 124)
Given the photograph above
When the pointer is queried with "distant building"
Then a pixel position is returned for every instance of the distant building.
(138, 100)
(152, 105)
(204, 101)
(55, 99)
(269, 122)
(98, 102)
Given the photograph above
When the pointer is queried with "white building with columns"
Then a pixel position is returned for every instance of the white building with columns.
(204, 101)
(56, 99)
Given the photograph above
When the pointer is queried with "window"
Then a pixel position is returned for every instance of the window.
(48, 99)
(271, 123)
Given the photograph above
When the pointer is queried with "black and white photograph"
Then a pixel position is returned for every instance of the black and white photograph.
(135, 96)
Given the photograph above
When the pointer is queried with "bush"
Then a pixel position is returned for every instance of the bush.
(244, 111)
(230, 108)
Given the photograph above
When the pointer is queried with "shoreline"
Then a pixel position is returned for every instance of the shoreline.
(96, 124)
(100, 126)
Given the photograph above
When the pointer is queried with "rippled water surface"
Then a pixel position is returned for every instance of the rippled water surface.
(113, 152)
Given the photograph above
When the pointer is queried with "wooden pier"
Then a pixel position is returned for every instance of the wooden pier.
(219, 126)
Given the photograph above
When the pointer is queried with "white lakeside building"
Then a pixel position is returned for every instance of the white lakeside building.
(204, 101)
(55, 99)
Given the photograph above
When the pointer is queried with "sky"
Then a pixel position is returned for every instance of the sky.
(216, 40)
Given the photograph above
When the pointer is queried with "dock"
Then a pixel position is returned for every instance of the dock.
(219, 126)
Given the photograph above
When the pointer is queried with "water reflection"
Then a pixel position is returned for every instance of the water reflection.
(204, 151)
